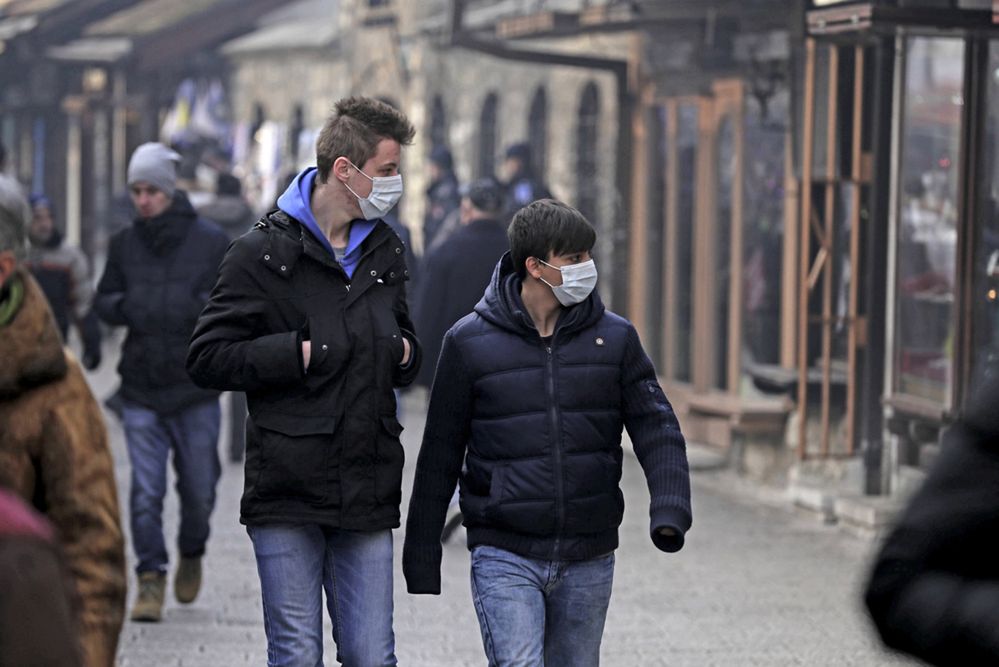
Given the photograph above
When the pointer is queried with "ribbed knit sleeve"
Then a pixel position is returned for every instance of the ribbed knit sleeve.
(444, 440)
(659, 445)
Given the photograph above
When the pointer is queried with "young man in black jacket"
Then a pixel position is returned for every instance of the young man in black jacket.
(156, 281)
(309, 318)
(531, 394)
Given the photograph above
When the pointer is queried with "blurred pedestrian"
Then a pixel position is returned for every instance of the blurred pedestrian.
(309, 318)
(456, 273)
(159, 273)
(527, 406)
(37, 624)
(63, 273)
(230, 211)
(53, 446)
(443, 197)
(523, 185)
(934, 589)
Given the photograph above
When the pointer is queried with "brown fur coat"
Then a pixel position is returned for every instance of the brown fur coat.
(54, 453)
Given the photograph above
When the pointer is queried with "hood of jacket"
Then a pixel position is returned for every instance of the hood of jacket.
(32, 347)
(502, 305)
(295, 201)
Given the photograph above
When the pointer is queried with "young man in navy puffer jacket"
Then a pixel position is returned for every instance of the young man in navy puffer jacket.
(527, 408)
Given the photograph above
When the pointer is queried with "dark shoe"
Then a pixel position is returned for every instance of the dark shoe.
(148, 606)
(187, 581)
(453, 520)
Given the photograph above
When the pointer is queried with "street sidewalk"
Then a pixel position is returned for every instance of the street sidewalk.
(754, 585)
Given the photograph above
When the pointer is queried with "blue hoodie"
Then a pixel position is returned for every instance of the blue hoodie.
(295, 202)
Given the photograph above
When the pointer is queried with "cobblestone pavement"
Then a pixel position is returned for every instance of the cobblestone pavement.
(755, 585)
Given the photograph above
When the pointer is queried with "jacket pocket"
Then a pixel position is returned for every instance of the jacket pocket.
(391, 458)
(294, 458)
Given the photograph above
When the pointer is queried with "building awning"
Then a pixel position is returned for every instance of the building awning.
(93, 49)
(843, 17)
(309, 24)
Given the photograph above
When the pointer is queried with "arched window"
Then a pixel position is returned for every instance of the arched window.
(537, 132)
(438, 122)
(488, 133)
(587, 185)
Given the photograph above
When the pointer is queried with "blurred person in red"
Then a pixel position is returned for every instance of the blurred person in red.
(53, 446)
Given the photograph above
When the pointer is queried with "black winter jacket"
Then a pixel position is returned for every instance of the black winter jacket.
(934, 590)
(454, 276)
(157, 279)
(538, 426)
(321, 446)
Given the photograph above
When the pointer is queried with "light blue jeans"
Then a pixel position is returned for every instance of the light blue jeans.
(192, 435)
(540, 612)
(296, 563)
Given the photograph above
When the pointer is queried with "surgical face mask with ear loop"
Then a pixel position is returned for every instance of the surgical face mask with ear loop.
(578, 281)
(385, 193)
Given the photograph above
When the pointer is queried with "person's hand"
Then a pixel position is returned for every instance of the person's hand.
(306, 353)
(407, 349)
(667, 532)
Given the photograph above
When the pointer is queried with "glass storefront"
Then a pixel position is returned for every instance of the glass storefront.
(687, 140)
(763, 227)
(985, 256)
(929, 192)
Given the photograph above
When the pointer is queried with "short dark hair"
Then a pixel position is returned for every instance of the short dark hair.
(546, 228)
(228, 184)
(354, 130)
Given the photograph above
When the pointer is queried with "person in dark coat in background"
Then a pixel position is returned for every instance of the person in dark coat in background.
(37, 625)
(456, 273)
(63, 273)
(443, 197)
(523, 185)
(230, 211)
(309, 318)
(158, 276)
(531, 395)
(934, 588)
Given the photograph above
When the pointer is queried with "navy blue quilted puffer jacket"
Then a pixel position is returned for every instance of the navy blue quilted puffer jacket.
(538, 427)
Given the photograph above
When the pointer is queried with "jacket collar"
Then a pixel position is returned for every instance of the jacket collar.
(502, 305)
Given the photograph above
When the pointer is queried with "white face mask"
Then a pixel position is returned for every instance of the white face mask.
(385, 193)
(578, 281)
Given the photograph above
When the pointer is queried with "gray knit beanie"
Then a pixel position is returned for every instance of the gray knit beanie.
(155, 164)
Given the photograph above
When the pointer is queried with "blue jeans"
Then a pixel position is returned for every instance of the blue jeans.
(540, 612)
(193, 436)
(295, 564)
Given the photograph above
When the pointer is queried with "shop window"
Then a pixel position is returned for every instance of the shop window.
(928, 217)
(655, 232)
(725, 176)
(682, 316)
(488, 132)
(537, 132)
(763, 226)
(587, 186)
(985, 257)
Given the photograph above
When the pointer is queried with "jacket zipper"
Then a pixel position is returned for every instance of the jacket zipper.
(557, 452)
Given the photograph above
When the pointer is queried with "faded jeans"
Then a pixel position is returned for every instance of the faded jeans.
(296, 563)
(540, 612)
(192, 435)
